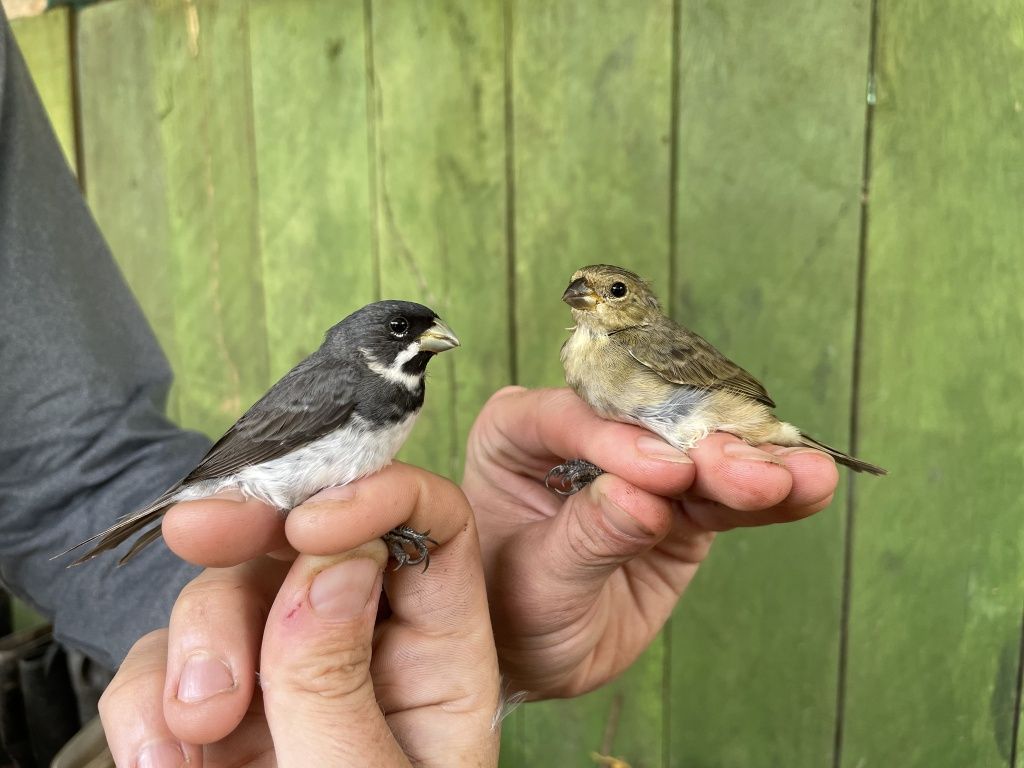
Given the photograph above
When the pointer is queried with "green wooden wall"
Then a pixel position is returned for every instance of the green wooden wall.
(833, 192)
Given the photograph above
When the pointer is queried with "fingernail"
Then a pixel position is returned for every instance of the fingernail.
(204, 676)
(228, 495)
(334, 493)
(746, 452)
(344, 590)
(659, 449)
(799, 449)
(164, 754)
(622, 521)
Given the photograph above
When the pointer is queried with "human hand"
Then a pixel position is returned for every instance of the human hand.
(427, 694)
(579, 587)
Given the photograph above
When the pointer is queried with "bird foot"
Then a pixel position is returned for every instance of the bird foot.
(572, 476)
(403, 538)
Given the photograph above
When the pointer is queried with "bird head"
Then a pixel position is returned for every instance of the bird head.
(395, 338)
(610, 297)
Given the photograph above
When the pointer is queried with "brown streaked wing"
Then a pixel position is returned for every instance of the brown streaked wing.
(682, 357)
(311, 401)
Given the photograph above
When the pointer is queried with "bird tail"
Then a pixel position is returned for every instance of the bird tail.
(842, 458)
(123, 530)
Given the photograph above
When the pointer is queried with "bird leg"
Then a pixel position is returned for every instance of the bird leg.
(403, 538)
(572, 476)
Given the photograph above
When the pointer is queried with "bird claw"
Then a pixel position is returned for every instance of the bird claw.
(398, 539)
(571, 476)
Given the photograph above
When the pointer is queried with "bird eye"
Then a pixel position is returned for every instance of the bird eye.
(399, 327)
(618, 290)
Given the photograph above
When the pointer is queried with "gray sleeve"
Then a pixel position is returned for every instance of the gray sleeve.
(83, 383)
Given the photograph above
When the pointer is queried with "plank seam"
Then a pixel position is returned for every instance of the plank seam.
(371, 145)
(254, 180)
(858, 338)
(675, 98)
(1015, 732)
(510, 192)
(76, 98)
(675, 81)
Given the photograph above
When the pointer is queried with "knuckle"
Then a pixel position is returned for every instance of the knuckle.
(107, 702)
(747, 496)
(748, 486)
(429, 485)
(591, 540)
(510, 390)
(751, 499)
(442, 497)
(134, 677)
(328, 672)
(807, 510)
(557, 399)
(154, 642)
(204, 591)
(490, 415)
(791, 514)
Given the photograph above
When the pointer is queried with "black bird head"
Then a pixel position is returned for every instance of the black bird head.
(395, 338)
(610, 297)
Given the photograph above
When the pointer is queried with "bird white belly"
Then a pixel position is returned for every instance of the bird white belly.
(681, 420)
(339, 458)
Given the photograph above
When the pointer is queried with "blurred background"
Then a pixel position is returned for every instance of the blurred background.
(833, 193)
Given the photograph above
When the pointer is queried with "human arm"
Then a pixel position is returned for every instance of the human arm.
(83, 383)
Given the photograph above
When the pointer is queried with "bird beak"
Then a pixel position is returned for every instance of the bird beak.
(437, 338)
(579, 295)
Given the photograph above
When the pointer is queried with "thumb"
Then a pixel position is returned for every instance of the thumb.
(604, 526)
(315, 663)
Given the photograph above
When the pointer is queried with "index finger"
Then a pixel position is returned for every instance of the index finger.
(538, 428)
(223, 530)
(339, 519)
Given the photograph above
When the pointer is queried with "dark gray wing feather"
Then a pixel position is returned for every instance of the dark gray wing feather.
(310, 401)
(682, 357)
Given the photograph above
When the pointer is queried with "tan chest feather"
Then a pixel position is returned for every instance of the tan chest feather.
(617, 387)
(607, 378)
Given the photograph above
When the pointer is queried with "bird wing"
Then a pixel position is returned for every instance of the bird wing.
(682, 357)
(311, 401)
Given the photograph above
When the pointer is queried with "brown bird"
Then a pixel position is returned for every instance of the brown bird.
(633, 364)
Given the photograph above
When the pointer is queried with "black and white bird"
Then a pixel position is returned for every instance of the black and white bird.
(340, 414)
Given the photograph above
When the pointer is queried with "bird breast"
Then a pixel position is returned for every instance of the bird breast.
(353, 451)
(605, 375)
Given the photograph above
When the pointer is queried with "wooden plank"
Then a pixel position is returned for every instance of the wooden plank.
(45, 43)
(592, 94)
(439, 117)
(126, 185)
(312, 168)
(771, 120)
(591, 87)
(938, 574)
(201, 74)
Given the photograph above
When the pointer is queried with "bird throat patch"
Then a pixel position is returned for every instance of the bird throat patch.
(406, 369)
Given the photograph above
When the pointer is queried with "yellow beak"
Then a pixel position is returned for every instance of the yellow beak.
(438, 338)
